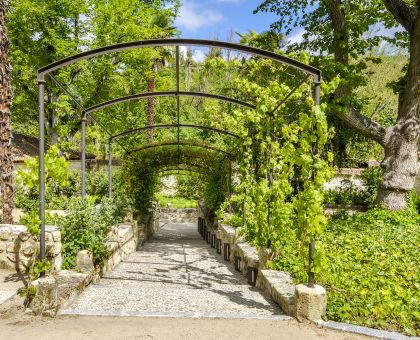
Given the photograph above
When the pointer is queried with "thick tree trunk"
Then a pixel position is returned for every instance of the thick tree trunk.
(6, 155)
(400, 165)
(400, 142)
(399, 170)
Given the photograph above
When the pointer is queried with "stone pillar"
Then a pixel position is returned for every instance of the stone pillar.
(311, 303)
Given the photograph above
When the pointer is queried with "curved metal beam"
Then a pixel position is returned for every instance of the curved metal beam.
(178, 42)
(183, 143)
(182, 126)
(167, 94)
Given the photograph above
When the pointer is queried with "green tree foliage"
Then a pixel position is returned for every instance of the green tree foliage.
(44, 31)
(340, 29)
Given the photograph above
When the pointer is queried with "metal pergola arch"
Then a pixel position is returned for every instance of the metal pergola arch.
(147, 146)
(182, 143)
(49, 69)
(146, 95)
(182, 126)
(227, 155)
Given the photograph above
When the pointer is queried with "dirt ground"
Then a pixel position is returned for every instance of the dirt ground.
(15, 324)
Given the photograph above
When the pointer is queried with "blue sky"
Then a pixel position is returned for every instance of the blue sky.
(207, 19)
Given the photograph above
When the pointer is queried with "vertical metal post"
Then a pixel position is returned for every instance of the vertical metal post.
(83, 156)
(177, 94)
(41, 84)
(110, 169)
(311, 274)
(230, 178)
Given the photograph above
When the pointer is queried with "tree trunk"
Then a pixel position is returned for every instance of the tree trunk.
(6, 154)
(400, 165)
(400, 142)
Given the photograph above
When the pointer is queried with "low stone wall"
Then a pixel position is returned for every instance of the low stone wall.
(122, 241)
(56, 289)
(17, 214)
(173, 215)
(299, 301)
(17, 247)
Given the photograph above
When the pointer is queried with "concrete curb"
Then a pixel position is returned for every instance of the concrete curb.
(377, 333)
(158, 314)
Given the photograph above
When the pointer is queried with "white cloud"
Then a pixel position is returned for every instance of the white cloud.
(296, 37)
(193, 16)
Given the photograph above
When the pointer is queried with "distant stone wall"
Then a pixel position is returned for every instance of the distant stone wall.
(17, 247)
(173, 215)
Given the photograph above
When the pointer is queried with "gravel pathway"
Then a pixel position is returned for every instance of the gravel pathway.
(10, 282)
(178, 275)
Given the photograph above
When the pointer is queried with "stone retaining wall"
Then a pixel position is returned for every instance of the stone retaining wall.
(17, 247)
(55, 290)
(173, 215)
(299, 301)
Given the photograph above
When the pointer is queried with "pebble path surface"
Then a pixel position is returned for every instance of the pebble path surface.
(175, 274)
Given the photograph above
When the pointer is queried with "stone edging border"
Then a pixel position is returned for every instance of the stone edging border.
(378, 333)
(299, 301)
(277, 284)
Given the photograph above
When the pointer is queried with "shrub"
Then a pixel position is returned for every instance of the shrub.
(190, 186)
(86, 227)
(347, 194)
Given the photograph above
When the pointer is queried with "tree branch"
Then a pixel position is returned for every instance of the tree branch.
(403, 13)
(362, 124)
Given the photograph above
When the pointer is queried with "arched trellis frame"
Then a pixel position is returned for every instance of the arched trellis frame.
(178, 142)
(49, 69)
(225, 155)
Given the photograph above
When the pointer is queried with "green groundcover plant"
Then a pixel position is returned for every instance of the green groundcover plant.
(372, 274)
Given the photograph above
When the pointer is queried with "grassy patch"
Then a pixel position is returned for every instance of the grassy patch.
(176, 202)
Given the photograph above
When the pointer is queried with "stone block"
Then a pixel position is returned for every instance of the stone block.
(24, 236)
(11, 247)
(27, 249)
(84, 261)
(228, 233)
(112, 246)
(46, 295)
(280, 287)
(249, 254)
(56, 235)
(311, 303)
(5, 235)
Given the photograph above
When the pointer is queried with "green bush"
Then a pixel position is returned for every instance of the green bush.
(372, 178)
(235, 221)
(97, 184)
(347, 194)
(176, 202)
(190, 186)
(86, 227)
